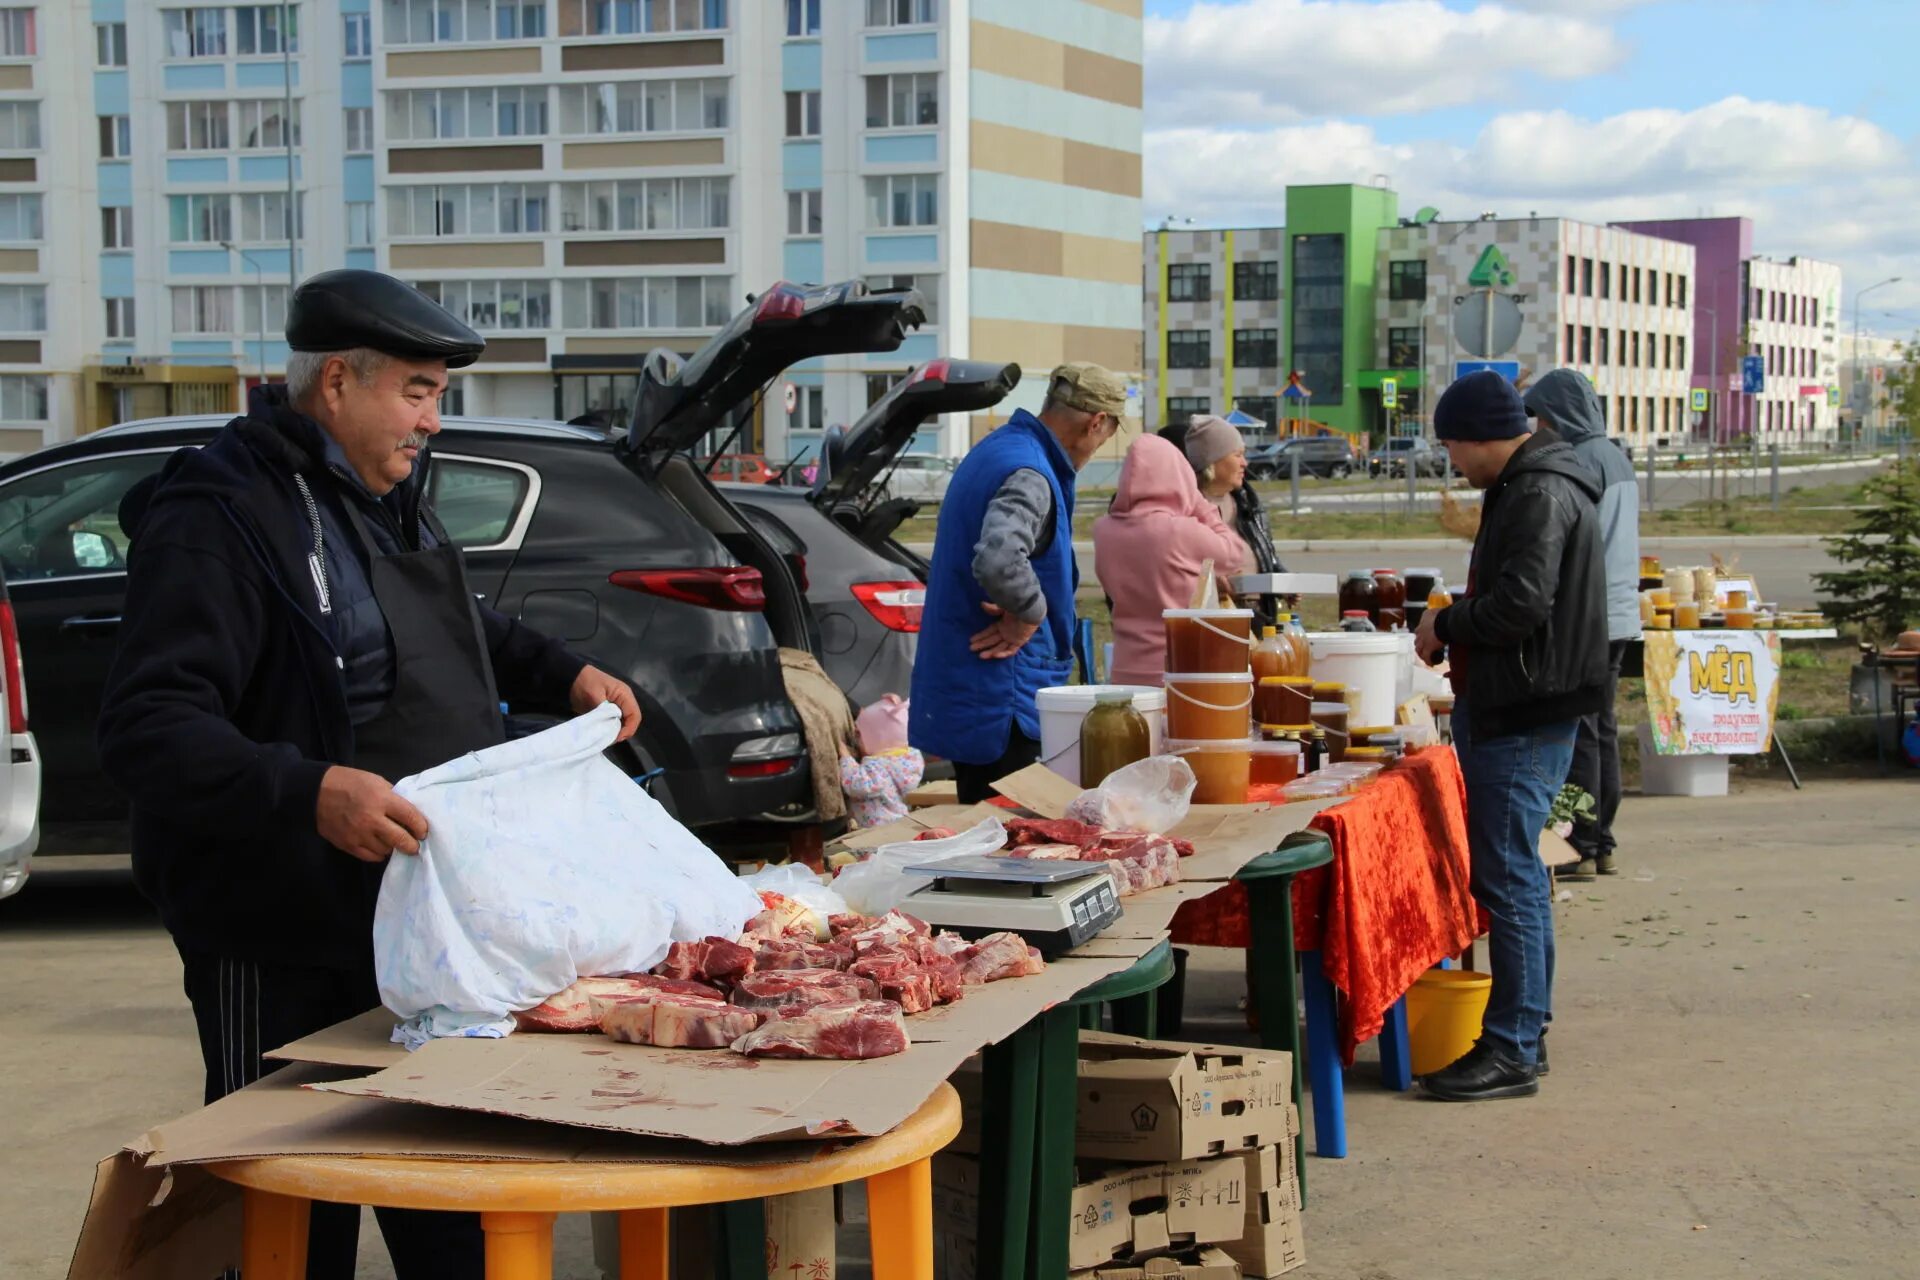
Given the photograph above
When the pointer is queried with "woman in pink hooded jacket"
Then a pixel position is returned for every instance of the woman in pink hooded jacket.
(1147, 552)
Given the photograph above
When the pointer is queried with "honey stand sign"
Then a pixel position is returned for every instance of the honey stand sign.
(1712, 692)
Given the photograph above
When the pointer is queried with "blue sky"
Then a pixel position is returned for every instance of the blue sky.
(1799, 115)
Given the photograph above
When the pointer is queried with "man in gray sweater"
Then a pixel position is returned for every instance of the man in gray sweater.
(1565, 401)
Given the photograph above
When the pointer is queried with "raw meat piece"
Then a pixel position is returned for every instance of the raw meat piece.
(572, 1009)
(1028, 831)
(937, 833)
(786, 918)
(999, 955)
(711, 960)
(675, 1021)
(800, 988)
(888, 929)
(948, 985)
(848, 923)
(901, 980)
(948, 943)
(848, 1029)
(1046, 852)
(791, 953)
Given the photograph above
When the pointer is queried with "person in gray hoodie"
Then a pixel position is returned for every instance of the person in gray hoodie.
(1565, 401)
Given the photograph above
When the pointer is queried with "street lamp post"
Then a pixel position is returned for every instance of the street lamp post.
(1857, 369)
(259, 303)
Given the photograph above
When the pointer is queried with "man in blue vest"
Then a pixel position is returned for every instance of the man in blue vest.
(998, 623)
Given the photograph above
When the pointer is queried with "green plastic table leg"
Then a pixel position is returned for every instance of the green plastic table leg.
(1053, 1163)
(1090, 1017)
(1270, 908)
(1009, 1106)
(1137, 1015)
(743, 1234)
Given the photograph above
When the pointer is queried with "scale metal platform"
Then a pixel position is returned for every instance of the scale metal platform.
(1055, 904)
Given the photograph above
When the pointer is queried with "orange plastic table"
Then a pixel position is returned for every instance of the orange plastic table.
(517, 1202)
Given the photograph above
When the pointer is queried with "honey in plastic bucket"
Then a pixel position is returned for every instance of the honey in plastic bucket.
(1208, 640)
(1221, 770)
(1209, 705)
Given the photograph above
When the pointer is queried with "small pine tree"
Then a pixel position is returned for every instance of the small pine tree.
(1880, 590)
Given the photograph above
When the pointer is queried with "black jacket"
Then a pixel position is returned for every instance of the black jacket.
(1532, 635)
(226, 701)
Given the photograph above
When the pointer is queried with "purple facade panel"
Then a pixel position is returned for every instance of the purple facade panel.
(1721, 248)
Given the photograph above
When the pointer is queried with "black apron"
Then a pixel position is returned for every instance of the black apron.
(444, 702)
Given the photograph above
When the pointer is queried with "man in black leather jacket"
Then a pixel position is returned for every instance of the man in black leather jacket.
(1528, 646)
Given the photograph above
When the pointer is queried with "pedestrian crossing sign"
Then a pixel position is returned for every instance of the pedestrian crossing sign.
(1390, 393)
(1699, 399)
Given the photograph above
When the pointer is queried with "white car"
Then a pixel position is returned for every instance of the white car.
(19, 763)
(920, 476)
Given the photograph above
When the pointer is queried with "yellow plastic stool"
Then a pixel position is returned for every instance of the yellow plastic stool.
(517, 1202)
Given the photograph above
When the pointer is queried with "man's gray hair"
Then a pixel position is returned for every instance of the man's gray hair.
(304, 367)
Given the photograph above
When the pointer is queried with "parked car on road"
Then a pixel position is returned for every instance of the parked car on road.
(1395, 455)
(19, 753)
(921, 476)
(623, 548)
(747, 468)
(1328, 457)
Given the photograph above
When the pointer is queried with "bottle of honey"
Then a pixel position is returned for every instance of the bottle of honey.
(1272, 655)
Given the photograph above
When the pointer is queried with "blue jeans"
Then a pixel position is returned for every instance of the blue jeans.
(1511, 783)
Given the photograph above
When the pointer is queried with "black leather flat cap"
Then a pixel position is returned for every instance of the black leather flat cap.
(338, 310)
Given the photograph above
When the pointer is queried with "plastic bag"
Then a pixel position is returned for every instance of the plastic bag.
(543, 863)
(803, 885)
(1147, 795)
(880, 884)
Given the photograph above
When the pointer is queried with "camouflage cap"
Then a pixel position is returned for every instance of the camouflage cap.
(1088, 387)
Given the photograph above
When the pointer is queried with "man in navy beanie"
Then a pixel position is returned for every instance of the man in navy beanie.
(1528, 647)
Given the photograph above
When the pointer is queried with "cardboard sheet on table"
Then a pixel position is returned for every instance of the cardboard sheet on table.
(932, 793)
(1039, 790)
(1150, 914)
(1119, 946)
(1240, 837)
(365, 1042)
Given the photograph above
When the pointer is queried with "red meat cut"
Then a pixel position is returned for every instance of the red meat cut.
(710, 960)
(572, 1009)
(937, 833)
(997, 956)
(848, 1029)
(778, 991)
(791, 953)
(675, 1021)
(1024, 831)
(901, 980)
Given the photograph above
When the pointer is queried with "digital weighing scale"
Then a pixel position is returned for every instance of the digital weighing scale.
(1055, 904)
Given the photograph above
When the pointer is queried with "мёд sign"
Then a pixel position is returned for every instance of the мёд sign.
(1712, 692)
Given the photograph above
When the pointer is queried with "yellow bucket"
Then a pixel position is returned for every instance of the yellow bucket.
(1444, 1010)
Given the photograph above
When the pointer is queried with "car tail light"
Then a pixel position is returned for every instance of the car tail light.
(15, 677)
(766, 757)
(732, 587)
(896, 605)
(931, 371)
(781, 302)
(800, 572)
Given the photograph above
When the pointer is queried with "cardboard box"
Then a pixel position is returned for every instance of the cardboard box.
(1151, 1100)
(1194, 1264)
(800, 1234)
(1272, 1242)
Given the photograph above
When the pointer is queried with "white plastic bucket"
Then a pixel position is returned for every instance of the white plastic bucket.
(1063, 708)
(1379, 664)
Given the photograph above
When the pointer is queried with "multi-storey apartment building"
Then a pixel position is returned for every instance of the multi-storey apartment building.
(1213, 302)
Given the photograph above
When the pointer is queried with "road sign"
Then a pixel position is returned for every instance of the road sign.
(792, 397)
(1753, 375)
(1833, 397)
(1699, 399)
(1508, 369)
(1389, 393)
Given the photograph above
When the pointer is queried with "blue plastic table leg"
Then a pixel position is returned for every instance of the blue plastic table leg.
(1396, 1059)
(1323, 1061)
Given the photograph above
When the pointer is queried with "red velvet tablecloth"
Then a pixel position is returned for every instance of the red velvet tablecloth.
(1393, 902)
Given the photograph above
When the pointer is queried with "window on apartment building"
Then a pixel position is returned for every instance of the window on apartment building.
(359, 224)
(357, 34)
(928, 285)
(23, 308)
(109, 44)
(647, 204)
(119, 317)
(195, 33)
(1586, 344)
(1666, 351)
(1566, 347)
(644, 106)
(635, 17)
(1190, 349)
(18, 36)
(463, 21)
(23, 397)
(1403, 347)
(1603, 348)
(803, 18)
(1634, 362)
(1180, 408)
(198, 126)
(263, 124)
(116, 137)
(1573, 274)
(902, 13)
(202, 308)
(904, 101)
(357, 129)
(1680, 351)
(422, 115)
(1265, 408)
(463, 209)
(21, 221)
(495, 304)
(1256, 348)
(803, 113)
(647, 302)
(200, 219)
(803, 213)
(1606, 279)
(257, 30)
(1813, 313)
(1190, 282)
(1586, 277)
(1257, 280)
(116, 228)
(1407, 280)
(264, 217)
(1680, 282)
(19, 126)
(263, 308)
(904, 200)
(1633, 285)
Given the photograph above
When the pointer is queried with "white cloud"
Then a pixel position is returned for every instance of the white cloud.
(1283, 61)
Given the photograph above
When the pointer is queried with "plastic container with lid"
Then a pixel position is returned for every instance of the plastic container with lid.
(1272, 655)
(1222, 768)
(1209, 705)
(1420, 584)
(1314, 786)
(1208, 640)
(1366, 755)
(1283, 700)
(1274, 763)
(1113, 735)
(1357, 620)
(1376, 666)
(1686, 615)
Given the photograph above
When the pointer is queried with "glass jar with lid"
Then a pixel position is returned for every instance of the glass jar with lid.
(1113, 735)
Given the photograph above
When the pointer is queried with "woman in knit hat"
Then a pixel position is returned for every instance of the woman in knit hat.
(1218, 456)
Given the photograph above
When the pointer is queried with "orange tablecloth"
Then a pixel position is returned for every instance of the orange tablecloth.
(1393, 902)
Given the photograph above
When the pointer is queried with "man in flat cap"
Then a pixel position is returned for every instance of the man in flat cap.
(998, 623)
(298, 635)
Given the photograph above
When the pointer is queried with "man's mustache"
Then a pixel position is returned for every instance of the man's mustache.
(414, 440)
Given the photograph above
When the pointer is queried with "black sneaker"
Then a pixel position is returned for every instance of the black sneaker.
(1603, 865)
(1482, 1074)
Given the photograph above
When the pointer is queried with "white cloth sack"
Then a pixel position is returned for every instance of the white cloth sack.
(543, 863)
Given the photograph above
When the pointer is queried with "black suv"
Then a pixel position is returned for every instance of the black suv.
(1397, 453)
(1329, 457)
(624, 548)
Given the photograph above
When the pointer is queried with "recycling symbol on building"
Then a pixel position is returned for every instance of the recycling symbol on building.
(1492, 271)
